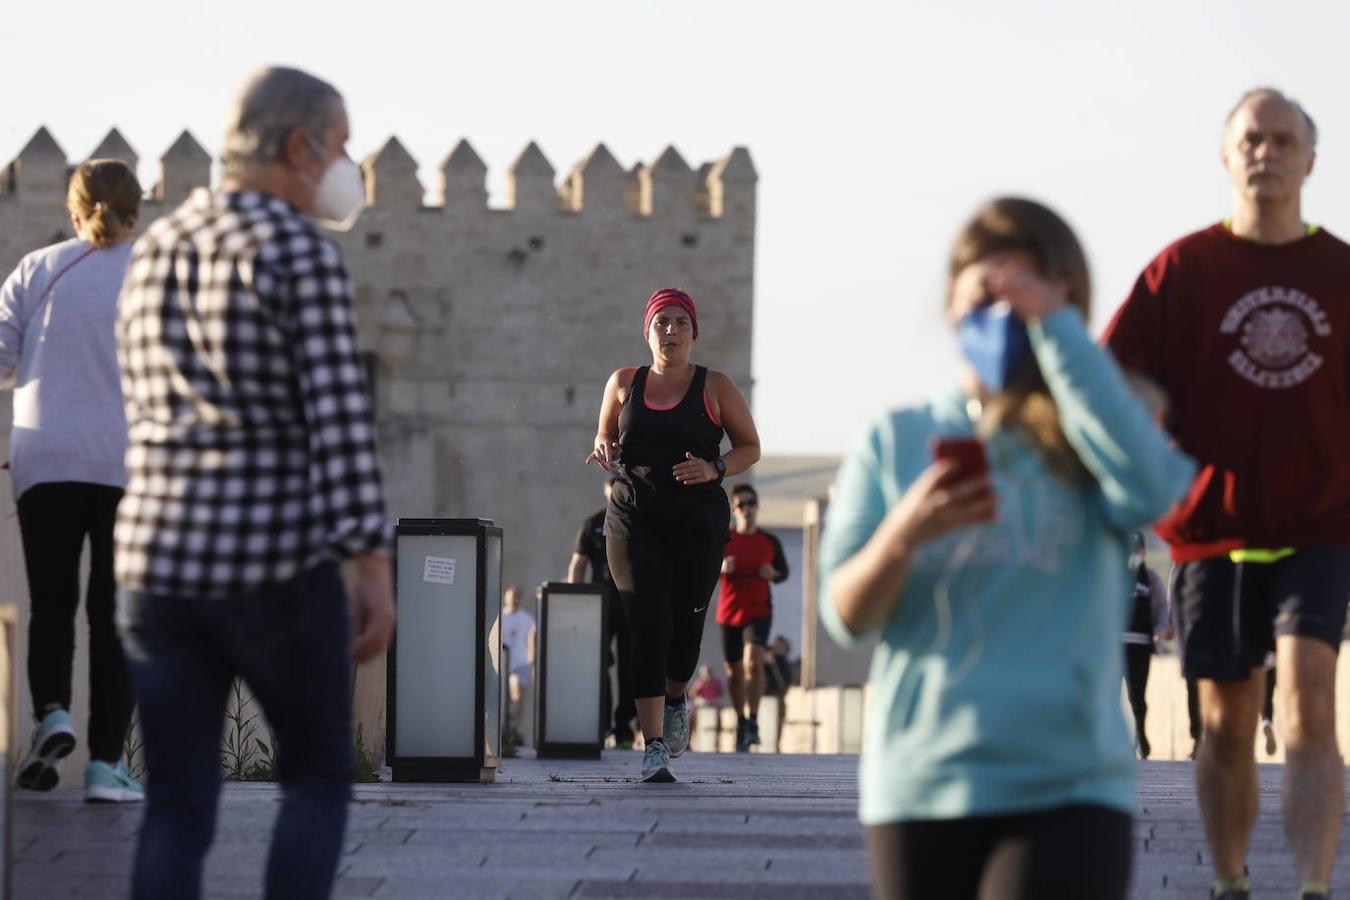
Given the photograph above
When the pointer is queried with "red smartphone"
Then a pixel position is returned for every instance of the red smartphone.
(967, 452)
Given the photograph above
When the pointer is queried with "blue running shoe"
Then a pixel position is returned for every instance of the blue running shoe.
(656, 762)
(52, 742)
(675, 725)
(111, 784)
(752, 732)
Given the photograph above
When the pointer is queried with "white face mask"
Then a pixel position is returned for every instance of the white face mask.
(339, 196)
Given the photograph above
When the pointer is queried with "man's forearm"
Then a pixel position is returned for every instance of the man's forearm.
(576, 569)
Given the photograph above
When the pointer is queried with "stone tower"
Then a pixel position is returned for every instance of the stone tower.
(491, 332)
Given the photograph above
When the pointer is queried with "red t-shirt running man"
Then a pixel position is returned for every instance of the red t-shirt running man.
(744, 594)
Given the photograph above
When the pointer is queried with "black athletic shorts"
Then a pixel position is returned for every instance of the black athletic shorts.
(1228, 614)
(735, 637)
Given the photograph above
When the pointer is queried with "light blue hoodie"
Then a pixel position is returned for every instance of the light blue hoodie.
(996, 685)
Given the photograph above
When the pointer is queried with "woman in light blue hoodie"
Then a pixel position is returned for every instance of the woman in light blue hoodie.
(997, 760)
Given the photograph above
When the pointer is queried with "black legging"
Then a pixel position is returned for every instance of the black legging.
(666, 586)
(1069, 852)
(1137, 660)
(54, 519)
(1193, 709)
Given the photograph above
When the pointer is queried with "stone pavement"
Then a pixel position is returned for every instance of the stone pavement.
(746, 826)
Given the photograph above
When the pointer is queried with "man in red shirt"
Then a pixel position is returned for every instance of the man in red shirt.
(753, 558)
(1245, 326)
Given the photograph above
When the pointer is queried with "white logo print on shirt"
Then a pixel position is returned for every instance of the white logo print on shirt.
(1038, 524)
(1275, 326)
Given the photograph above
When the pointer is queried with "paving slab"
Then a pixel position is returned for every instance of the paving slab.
(734, 826)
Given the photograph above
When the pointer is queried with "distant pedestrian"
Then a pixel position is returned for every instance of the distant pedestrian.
(58, 351)
(253, 468)
(1194, 726)
(661, 428)
(519, 640)
(779, 671)
(590, 552)
(754, 559)
(1268, 708)
(707, 687)
(1149, 618)
(706, 691)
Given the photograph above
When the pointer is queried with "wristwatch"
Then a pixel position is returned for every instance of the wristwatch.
(720, 465)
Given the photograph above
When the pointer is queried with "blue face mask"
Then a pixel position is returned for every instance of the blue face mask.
(995, 342)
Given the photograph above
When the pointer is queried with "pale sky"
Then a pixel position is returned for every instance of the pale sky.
(876, 128)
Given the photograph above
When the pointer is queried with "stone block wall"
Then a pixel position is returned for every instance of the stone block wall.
(490, 332)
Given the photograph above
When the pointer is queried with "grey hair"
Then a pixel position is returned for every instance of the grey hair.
(274, 102)
(1278, 95)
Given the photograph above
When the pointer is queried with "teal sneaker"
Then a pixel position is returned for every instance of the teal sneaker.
(656, 762)
(52, 742)
(675, 726)
(111, 784)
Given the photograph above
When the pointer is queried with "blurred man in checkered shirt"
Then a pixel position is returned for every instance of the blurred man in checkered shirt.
(253, 469)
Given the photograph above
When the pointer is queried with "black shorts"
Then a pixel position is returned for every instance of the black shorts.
(735, 637)
(1228, 614)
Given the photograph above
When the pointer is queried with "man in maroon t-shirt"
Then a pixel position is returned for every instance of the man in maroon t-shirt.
(752, 559)
(1245, 327)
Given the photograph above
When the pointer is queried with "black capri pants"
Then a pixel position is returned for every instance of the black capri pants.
(666, 586)
(1079, 852)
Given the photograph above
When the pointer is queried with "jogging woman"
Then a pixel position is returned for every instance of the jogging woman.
(666, 525)
(997, 761)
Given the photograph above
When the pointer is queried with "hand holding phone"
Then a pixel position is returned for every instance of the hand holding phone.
(954, 492)
(967, 453)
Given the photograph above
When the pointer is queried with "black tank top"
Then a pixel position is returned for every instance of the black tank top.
(646, 496)
(1141, 615)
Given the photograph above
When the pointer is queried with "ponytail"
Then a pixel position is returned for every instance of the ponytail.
(106, 196)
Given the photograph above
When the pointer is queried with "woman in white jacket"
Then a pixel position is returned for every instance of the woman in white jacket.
(58, 352)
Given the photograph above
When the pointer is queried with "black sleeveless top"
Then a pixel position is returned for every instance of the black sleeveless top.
(646, 498)
(1141, 615)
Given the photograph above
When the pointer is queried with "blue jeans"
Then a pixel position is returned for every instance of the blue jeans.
(289, 644)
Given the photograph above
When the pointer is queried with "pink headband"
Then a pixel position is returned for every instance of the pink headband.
(669, 297)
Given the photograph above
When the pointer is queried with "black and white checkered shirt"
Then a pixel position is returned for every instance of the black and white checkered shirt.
(252, 444)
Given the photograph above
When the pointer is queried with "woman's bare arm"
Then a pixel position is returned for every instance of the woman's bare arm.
(605, 449)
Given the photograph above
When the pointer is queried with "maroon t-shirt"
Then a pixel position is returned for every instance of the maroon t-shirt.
(1252, 345)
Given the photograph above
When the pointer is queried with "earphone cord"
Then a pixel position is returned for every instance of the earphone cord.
(942, 608)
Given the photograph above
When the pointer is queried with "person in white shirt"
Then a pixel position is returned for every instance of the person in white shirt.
(518, 640)
(58, 353)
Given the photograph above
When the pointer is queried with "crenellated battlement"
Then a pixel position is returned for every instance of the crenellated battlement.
(594, 185)
(39, 174)
(491, 332)
(597, 185)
